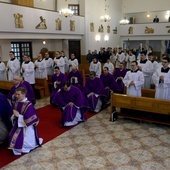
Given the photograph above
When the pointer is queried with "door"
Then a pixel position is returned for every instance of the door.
(74, 47)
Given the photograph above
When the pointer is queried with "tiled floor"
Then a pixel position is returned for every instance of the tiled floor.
(102, 145)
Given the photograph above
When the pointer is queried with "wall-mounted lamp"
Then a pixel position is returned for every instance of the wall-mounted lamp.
(106, 38)
(44, 42)
(97, 38)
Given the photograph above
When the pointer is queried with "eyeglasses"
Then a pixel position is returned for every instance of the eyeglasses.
(164, 62)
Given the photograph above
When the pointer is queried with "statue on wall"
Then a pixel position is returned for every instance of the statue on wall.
(58, 24)
(92, 27)
(18, 21)
(149, 30)
(72, 25)
(108, 29)
(101, 29)
(42, 24)
(130, 30)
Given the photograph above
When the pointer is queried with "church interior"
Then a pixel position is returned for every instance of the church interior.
(30, 26)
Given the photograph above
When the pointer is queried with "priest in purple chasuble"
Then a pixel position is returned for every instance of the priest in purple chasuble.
(23, 136)
(58, 80)
(95, 92)
(5, 123)
(119, 74)
(108, 81)
(75, 77)
(72, 103)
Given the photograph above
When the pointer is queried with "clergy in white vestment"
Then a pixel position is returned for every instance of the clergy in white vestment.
(59, 61)
(129, 58)
(3, 75)
(66, 61)
(134, 80)
(146, 67)
(27, 70)
(95, 66)
(13, 66)
(161, 79)
(109, 65)
(40, 67)
(73, 62)
(49, 64)
(120, 57)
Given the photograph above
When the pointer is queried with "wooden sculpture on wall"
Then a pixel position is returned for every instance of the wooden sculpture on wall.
(72, 25)
(92, 27)
(130, 30)
(18, 21)
(149, 30)
(108, 29)
(101, 29)
(58, 24)
(42, 24)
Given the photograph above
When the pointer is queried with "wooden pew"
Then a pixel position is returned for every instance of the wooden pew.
(145, 92)
(85, 67)
(42, 86)
(142, 106)
(5, 84)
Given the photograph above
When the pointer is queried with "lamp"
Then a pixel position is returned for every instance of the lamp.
(106, 38)
(124, 21)
(105, 18)
(97, 38)
(66, 12)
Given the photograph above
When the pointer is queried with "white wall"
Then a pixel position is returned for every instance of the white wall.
(132, 6)
(93, 12)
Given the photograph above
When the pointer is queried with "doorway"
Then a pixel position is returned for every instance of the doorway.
(74, 47)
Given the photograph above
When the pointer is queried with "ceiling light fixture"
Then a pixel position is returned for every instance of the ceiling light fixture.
(66, 12)
(105, 18)
(124, 21)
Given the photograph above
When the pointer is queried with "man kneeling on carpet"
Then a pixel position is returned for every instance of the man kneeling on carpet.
(23, 136)
(72, 103)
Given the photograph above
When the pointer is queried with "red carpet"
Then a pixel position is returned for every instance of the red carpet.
(48, 128)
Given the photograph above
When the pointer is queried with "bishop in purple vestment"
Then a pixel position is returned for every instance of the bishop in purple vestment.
(73, 104)
(95, 92)
(23, 136)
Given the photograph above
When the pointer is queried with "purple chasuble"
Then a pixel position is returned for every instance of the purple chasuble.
(120, 84)
(79, 76)
(62, 78)
(30, 92)
(78, 99)
(95, 86)
(16, 136)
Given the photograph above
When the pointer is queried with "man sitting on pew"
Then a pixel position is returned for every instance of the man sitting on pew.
(161, 79)
(134, 80)
(75, 77)
(18, 82)
(58, 80)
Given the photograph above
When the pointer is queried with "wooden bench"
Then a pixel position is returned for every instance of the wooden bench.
(142, 106)
(6, 85)
(145, 92)
(42, 86)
